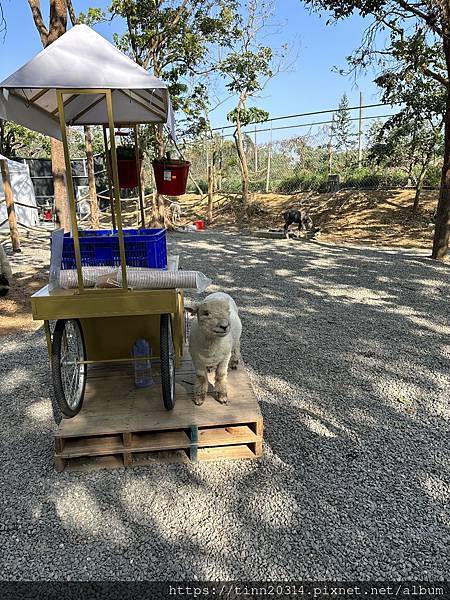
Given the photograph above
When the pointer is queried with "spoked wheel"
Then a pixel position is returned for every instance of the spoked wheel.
(167, 354)
(69, 376)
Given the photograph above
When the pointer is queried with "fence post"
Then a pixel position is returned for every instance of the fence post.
(210, 194)
(256, 151)
(330, 145)
(360, 131)
(269, 160)
(219, 175)
(9, 199)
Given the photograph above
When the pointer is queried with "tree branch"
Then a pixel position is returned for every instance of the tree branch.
(430, 19)
(437, 76)
(35, 6)
(72, 15)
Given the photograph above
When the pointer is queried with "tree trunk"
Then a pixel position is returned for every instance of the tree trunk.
(442, 226)
(9, 199)
(160, 148)
(419, 186)
(209, 215)
(59, 184)
(57, 27)
(243, 165)
(95, 223)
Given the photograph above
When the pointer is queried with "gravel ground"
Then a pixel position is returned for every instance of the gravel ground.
(348, 350)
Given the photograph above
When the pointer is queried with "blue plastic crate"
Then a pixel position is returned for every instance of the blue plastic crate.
(143, 248)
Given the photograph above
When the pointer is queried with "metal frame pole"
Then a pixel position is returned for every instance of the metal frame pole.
(115, 174)
(138, 167)
(70, 189)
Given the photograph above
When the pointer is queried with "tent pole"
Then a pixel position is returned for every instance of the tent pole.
(108, 172)
(9, 199)
(70, 189)
(115, 174)
(138, 167)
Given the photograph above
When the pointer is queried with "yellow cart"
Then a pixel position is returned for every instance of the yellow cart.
(101, 86)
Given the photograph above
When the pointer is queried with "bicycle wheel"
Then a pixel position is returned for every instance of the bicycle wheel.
(167, 354)
(69, 376)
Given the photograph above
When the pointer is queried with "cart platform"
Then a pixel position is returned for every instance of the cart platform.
(122, 426)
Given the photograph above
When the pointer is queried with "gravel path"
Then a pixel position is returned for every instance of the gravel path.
(348, 350)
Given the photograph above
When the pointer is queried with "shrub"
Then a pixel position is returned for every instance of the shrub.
(303, 182)
(365, 178)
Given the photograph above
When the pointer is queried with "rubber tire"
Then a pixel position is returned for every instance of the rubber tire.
(58, 388)
(166, 348)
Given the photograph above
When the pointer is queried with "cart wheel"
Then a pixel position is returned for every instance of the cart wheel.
(69, 377)
(167, 354)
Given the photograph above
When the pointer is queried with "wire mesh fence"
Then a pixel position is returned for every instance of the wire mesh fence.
(294, 158)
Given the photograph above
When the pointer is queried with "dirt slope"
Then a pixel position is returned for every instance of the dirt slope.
(379, 217)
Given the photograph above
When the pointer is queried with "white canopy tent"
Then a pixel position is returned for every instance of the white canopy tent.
(82, 79)
(83, 59)
(23, 195)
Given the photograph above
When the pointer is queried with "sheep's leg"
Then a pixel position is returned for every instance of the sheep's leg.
(235, 356)
(221, 381)
(200, 387)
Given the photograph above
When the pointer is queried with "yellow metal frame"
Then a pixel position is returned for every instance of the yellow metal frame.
(115, 177)
(114, 307)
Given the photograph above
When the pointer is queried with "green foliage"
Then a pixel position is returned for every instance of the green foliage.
(172, 39)
(16, 140)
(125, 152)
(342, 128)
(248, 115)
(303, 181)
(368, 178)
(93, 16)
(77, 148)
(408, 144)
(248, 68)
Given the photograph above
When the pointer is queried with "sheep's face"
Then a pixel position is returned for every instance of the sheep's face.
(214, 318)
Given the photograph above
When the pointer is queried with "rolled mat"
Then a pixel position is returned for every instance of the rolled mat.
(138, 278)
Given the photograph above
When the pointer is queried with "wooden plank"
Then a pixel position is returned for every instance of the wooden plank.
(121, 425)
(223, 436)
(165, 457)
(225, 453)
(91, 446)
(84, 464)
(114, 405)
(159, 440)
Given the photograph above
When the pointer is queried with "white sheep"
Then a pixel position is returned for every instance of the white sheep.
(214, 343)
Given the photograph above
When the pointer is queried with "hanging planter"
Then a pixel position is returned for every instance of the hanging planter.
(127, 167)
(171, 176)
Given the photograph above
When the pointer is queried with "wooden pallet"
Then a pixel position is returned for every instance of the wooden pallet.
(122, 426)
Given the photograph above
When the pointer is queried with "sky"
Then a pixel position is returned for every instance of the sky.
(309, 85)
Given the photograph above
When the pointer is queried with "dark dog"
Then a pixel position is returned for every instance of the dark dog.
(301, 217)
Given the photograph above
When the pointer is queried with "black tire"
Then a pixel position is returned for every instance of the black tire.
(68, 341)
(167, 354)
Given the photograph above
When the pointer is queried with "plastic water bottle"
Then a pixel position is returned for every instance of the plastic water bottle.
(142, 368)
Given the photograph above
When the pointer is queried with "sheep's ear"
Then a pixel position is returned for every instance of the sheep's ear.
(192, 310)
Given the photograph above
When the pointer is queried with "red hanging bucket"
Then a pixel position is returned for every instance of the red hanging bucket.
(171, 176)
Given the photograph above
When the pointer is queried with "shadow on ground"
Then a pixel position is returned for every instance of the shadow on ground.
(348, 351)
